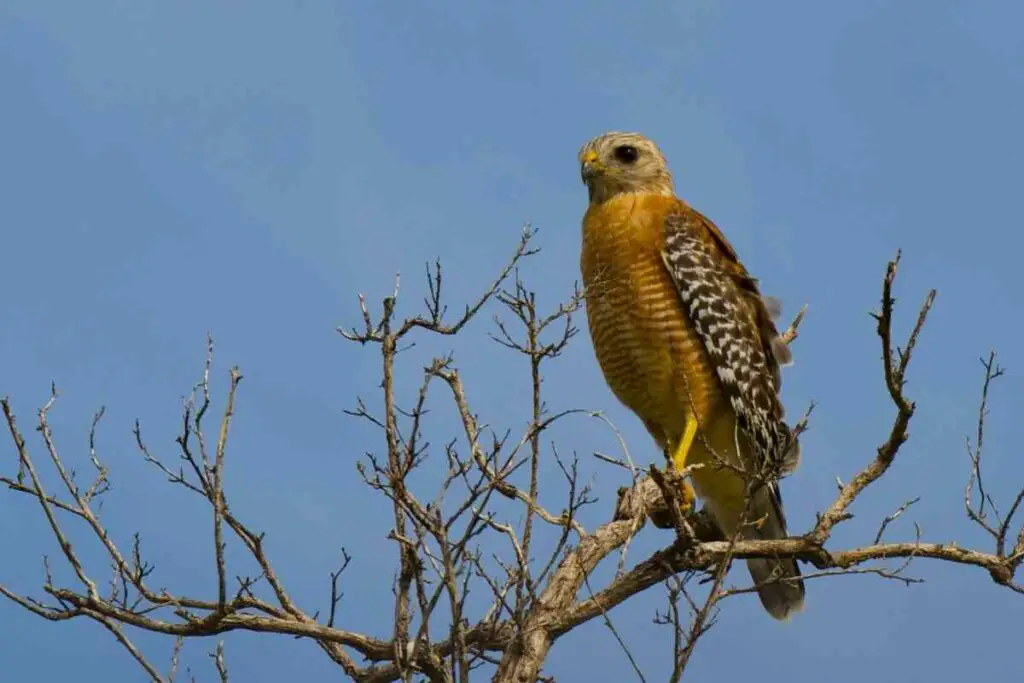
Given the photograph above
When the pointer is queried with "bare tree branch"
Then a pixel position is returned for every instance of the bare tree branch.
(895, 370)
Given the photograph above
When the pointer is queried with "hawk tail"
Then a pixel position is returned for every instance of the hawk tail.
(778, 579)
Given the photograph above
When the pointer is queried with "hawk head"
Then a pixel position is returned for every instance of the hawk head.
(615, 163)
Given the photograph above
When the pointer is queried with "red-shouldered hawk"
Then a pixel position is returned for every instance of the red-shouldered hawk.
(686, 341)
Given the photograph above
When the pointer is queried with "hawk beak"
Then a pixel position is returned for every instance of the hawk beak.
(590, 166)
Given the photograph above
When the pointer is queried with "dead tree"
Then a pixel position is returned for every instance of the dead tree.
(476, 535)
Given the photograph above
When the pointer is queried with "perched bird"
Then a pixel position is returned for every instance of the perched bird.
(686, 341)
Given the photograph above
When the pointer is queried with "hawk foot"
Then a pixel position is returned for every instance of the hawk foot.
(684, 498)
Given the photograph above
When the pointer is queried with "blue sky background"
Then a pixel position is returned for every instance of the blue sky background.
(169, 168)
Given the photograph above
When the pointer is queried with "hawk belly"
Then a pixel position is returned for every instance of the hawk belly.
(646, 345)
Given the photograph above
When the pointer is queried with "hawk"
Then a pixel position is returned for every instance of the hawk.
(686, 341)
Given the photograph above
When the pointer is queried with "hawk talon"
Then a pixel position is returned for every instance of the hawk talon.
(688, 498)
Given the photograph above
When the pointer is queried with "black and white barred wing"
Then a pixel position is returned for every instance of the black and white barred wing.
(734, 322)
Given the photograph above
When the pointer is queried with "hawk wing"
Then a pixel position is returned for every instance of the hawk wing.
(736, 326)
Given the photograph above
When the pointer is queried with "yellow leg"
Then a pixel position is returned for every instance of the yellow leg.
(683, 449)
(679, 460)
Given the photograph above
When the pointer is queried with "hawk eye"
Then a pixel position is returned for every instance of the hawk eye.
(627, 154)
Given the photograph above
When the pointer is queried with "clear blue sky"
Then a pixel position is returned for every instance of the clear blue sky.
(169, 168)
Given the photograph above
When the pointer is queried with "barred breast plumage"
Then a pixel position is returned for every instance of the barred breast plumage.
(645, 344)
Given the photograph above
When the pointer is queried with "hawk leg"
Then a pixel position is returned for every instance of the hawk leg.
(679, 460)
(683, 449)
